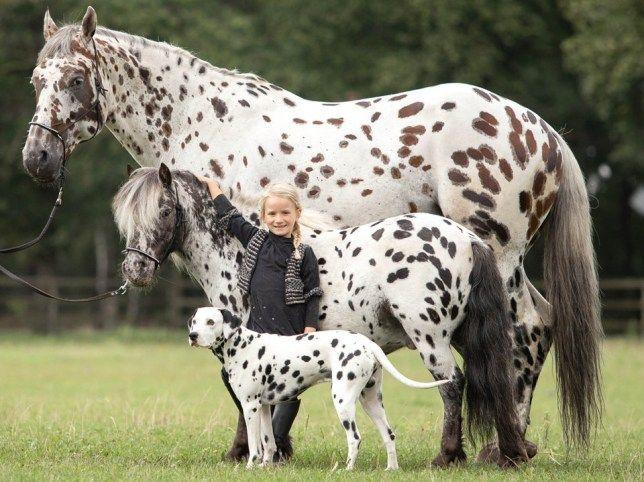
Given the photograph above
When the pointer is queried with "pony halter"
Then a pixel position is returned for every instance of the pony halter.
(96, 107)
(178, 220)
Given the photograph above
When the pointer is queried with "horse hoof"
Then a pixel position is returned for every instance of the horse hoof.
(237, 453)
(506, 462)
(489, 454)
(443, 460)
(531, 448)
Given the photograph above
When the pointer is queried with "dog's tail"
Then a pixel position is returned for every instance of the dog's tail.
(387, 365)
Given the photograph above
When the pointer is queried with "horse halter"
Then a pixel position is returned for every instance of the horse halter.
(96, 107)
(178, 221)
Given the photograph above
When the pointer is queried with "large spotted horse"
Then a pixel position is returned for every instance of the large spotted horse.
(459, 150)
(417, 280)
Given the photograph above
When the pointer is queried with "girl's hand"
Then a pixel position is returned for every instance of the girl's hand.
(309, 329)
(213, 187)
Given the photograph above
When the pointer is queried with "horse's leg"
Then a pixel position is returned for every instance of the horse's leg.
(531, 341)
(239, 450)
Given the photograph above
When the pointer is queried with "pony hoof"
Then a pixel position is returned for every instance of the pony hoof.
(443, 460)
(488, 454)
(237, 453)
(531, 448)
(506, 462)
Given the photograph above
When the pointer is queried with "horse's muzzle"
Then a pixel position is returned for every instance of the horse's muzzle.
(42, 159)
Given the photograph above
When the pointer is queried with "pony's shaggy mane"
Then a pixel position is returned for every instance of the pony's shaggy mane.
(60, 44)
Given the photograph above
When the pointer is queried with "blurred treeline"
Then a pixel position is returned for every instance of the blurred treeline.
(578, 63)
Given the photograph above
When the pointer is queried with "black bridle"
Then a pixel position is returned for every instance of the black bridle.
(58, 134)
(178, 221)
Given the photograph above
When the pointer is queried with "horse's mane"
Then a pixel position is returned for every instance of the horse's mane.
(136, 204)
(60, 44)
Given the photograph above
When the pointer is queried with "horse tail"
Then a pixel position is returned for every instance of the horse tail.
(570, 274)
(387, 365)
(487, 353)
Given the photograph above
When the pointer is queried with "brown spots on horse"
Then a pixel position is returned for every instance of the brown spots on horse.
(404, 151)
(317, 158)
(266, 118)
(261, 150)
(166, 112)
(395, 173)
(378, 171)
(409, 139)
(525, 201)
(367, 132)
(220, 107)
(416, 161)
(356, 180)
(414, 130)
(397, 97)
(438, 126)
(145, 75)
(487, 179)
(488, 153)
(297, 120)
(199, 116)
(375, 152)
(216, 168)
(286, 148)
(363, 103)
(375, 116)
(448, 106)
(167, 130)
(327, 171)
(204, 146)
(532, 144)
(291, 167)
(336, 122)
(458, 178)
(533, 225)
(460, 158)
(413, 208)
(485, 124)
(506, 169)
(314, 192)
(341, 182)
(343, 144)
(366, 192)
(129, 70)
(243, 103)
(288, 102)
(165, 144)
(474, 153)
(538, 184)
(485, 226)
(518, 150)
(482, 199)
(411, 109)
(263, 182)
(483, 94)
(516, 123)
(301, 180)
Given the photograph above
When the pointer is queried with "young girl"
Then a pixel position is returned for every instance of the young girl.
(280, 276)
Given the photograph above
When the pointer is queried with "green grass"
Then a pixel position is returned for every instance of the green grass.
(136, 405)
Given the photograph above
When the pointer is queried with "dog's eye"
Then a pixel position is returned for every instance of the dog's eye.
(210, 322)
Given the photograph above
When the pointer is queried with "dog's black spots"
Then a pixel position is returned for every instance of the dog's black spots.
(353, 425)
(425, 234)
(305, 358)
(284, 369)
(345, 424)
(402, 273)
(299, 337)
(357, 353)
(261, 352)
(287, 362)
(445, 298)
(338, 375)
(430, 286)
(453, 312)
(300, 380)
(398, 234)
(388, 252)
(296, 374)
(245, 364)
(316, 352)
(435, 317)
(451, 249)
(372, 262)
(356, 252)
(272, 385)
(223, 299)
(270, 396)
(398, 256)
(351, 375)
(443, 241)
(391, 434)
(310, 337)
(334, 342)
(347, 359)
(378, 234)
(270, 378)
(405, 224)
(280, 388)
(268, 370)
(321, 261)
(432, 359)
(429, 340)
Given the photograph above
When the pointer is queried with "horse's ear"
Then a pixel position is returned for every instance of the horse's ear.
(89, 24)
(164, 175)
(49, 28)
(129, 169)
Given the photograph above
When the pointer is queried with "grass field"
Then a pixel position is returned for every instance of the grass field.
(135, 405)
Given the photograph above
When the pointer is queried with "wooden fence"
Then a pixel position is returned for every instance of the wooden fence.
(174, 297)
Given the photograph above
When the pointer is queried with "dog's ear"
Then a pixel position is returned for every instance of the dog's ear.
(231, 319)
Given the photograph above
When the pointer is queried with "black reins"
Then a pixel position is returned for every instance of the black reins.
(58, 134)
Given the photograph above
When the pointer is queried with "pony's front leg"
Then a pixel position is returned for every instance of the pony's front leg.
(253, 427)
(268, 439)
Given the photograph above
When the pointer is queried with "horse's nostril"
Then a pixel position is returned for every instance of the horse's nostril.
(43, 156)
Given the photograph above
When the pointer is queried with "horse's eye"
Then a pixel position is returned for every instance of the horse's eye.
(166, 212)
(77, 82)
(210, 322)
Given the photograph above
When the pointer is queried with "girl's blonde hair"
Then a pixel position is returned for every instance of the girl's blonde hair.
(289, 192)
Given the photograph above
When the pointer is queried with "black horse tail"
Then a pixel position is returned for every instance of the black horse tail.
(487, 352)
(570, 274)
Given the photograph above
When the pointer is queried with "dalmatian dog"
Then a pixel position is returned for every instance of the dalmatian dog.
(268, 369)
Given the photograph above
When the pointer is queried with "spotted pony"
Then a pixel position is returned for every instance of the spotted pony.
(458, 150)
(417, 280)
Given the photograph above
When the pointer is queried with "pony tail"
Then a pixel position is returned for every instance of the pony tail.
(297, 239)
